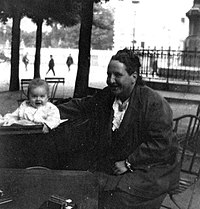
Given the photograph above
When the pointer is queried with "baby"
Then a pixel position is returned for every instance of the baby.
(37, 109)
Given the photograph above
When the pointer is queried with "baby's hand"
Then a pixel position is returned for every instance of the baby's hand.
(9, 122)
(45, 129)
(1, 120)
(38, 119)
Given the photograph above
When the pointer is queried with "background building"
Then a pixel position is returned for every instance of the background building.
(123, 24)
(155, 23)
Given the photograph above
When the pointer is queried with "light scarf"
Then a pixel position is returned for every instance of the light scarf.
(119, 111)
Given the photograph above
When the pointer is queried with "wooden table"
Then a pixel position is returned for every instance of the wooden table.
(26, 146)
(66, 147)
(29, 189)
(20, 130)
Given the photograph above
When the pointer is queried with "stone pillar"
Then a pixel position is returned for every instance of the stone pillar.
(192, 42)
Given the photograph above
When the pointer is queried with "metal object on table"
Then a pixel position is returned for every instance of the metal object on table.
(57, 202)
(4, 198)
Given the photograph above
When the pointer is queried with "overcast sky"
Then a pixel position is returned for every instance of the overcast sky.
(150, 11)
(155, 19)
(161, 19)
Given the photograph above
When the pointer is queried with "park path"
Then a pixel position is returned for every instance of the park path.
(97, 79)
(9, 99)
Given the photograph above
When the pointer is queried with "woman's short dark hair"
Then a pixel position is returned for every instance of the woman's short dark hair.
(130, 60)
(36, 83)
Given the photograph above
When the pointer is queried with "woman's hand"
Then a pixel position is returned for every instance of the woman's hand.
(120, 167)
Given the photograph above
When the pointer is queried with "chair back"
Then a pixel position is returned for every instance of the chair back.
(53, 82)
(187, 129)
(198, 110)
(24, 87)
(24, 83)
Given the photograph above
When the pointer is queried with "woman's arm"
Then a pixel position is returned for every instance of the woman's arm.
(157, 146)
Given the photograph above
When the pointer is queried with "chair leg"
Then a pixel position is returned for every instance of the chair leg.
(174, 201)
(191, 197)
(190, 200)
(164, 206)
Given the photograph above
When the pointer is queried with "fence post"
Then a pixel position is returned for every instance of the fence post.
(168, 67)
(142, 69)
(148, 62)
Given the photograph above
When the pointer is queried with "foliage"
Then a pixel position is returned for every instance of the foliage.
(68, 37)
(5, 34)
(102, 30)
(3, 57)
(66, 12)
(9, 8)
(52, 11)
(28, 38)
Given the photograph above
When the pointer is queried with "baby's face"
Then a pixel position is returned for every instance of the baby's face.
(38, 96)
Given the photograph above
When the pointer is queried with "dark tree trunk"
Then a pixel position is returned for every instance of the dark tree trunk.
(82, 77)
(15, 44)
(38, 48)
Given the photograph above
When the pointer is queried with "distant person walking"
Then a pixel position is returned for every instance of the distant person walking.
(25, 60)
(51, 65)
(69, 61)
(155, 68)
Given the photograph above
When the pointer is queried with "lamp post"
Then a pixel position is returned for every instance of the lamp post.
(134, 21)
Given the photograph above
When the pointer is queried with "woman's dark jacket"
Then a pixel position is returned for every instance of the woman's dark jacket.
(144, 137)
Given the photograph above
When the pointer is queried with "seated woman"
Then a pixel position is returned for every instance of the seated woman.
(135, 151)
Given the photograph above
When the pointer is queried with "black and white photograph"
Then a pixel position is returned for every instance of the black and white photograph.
(99, 104)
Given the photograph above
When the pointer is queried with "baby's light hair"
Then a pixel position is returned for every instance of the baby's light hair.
(36, 82)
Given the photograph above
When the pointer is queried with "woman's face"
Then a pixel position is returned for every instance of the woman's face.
(119, 81)
(38, 96)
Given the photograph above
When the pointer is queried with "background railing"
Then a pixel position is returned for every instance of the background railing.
(170, 65)
(158, 65)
